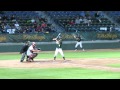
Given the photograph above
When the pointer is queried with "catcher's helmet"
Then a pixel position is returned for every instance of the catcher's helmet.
(39, 48)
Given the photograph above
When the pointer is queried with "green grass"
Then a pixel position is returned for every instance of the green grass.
(114, 65)
(78, 54)
(57, 73)
(61, 73)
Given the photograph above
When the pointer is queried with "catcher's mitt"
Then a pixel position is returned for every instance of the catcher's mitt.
(39, 48)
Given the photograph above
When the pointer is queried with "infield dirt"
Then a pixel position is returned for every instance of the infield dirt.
(100, 64)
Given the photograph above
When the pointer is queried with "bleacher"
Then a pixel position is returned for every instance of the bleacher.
(63, 17)
(114, 14)
(23, 18)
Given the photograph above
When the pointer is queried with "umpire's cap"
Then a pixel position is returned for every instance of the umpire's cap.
(28, 42)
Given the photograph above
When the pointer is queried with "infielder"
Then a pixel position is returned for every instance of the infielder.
(58, 47)
(32, 52)
(79, 42)
(23, 51)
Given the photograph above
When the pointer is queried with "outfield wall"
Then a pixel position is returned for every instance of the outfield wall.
(67, 45)
(47, 37)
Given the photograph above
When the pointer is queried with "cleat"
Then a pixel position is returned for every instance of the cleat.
(21, 60)
(54, 58)
(75, 49)
(64, 58)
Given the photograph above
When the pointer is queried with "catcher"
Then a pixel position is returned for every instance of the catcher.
(58, 47)
(32, 52)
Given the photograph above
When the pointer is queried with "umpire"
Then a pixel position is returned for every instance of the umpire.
(23, 51)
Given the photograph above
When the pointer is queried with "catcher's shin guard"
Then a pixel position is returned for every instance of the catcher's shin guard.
(27, 58)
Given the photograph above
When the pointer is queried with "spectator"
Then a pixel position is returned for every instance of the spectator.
(22, 30)
(3, 28)
(8, 28)
(82, 14)
(81, 20)
(43, 19)
(71, 22)
(37, 20)
(25, 29)
(43, 26)
(32, 20)
(17, 26)
(97, 16)
(86, 21)
(77, 20)
(111, 28)
(53, 28)
(48, 28)
(39, 28)
(87, 14)
(13, 19)
(4, 18)
(32, 29)
(13, 30)
(89, 20)
(0, 19)
(48, 21)
(35, 25)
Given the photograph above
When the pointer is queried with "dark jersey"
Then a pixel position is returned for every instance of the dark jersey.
(24, 48)
(78, 39)
(59, 43)
(97, 15)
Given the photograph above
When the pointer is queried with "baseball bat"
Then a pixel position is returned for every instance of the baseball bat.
(58, 35)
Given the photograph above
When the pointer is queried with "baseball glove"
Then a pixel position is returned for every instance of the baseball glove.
(39, 48)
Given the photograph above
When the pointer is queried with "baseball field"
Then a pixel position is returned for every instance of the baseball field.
(88, 64)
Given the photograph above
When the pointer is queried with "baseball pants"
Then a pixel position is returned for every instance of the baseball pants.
(78, 43)
(23, 56)
(33, 55)
(60, 51)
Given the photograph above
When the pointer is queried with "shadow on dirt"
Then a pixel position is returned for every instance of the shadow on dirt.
(48, 61)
